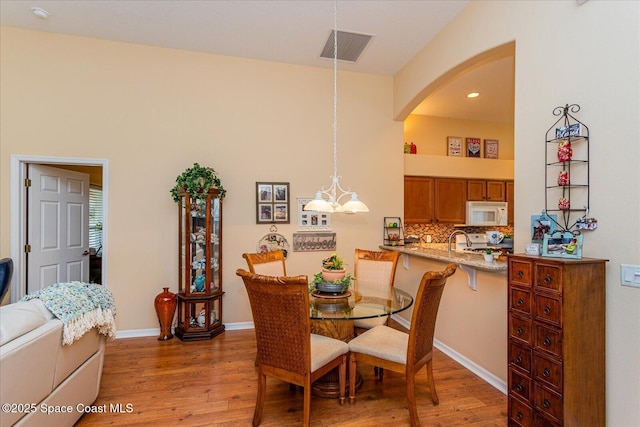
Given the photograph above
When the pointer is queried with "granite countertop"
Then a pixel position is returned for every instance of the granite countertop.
(439, 252)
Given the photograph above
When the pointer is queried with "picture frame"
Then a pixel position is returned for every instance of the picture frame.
(562, 245)
(272, 203)
(490, 148)
(541, 225)
(473, 147)
(312, 220)
(454, 146)
(311, 242)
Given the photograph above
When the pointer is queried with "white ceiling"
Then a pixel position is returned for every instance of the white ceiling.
(292, 31)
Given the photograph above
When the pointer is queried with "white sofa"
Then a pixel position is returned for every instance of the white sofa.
(42, 382)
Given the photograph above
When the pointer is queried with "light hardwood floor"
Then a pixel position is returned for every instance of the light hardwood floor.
(214, 383)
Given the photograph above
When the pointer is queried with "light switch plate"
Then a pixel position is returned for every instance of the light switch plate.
(630, 275)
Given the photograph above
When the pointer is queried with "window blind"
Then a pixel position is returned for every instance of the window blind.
(95, 217)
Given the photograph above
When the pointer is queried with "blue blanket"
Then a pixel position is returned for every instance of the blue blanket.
(80, 307)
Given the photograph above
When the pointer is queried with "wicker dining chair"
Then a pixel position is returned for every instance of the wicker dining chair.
(287, 349)
(374, 274)
(267, 263)
(400, 352)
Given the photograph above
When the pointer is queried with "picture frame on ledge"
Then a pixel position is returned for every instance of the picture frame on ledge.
(562, 244)
(272, 203)
(490, 148)
(473, 147)
(454, 146)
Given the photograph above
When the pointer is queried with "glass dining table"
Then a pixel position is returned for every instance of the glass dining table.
(332, 315)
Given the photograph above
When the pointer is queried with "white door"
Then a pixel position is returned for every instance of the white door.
(58, 227)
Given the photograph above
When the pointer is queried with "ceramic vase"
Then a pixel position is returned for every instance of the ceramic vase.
(165, 305)
(488, 257)
(331, 275)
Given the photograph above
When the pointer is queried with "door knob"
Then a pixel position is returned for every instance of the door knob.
(85, 253)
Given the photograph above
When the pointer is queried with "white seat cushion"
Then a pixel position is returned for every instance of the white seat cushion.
(370, 323)
(383, 342)
(325, 349)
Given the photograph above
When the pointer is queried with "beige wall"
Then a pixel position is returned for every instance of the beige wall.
(430, 134)
(152, 112)
(565, 53)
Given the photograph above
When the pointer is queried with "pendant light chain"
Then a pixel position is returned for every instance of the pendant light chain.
(335, 88)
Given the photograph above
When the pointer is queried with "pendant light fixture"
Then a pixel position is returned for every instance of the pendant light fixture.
(328, 200)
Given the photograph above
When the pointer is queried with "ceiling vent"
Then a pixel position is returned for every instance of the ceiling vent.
(350, 46)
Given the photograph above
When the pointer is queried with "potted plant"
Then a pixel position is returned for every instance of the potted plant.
(488, 255)
(197, 181)
(333, 268)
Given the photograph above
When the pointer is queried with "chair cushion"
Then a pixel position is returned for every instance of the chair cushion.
(383, 342)
(325, 349)
(370, 323)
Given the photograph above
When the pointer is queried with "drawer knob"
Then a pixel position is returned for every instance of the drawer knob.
(519, 359)
(520, 415)
(547, 309)
(547, 341)
(519, 330)
(546, 372)
(520, 274)
(520, 302)
(546, 403)
(519, 387)
(547, 279)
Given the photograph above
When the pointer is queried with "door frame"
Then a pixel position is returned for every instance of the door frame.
(19, 214)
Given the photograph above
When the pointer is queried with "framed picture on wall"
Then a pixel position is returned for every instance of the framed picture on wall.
(490, 148)
(454, 146)
(272, 202)
(473, 147)
(312, 220)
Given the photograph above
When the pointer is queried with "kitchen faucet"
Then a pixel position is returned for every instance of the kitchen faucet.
(451, 237)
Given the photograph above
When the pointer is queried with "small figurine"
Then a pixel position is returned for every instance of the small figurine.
(201, 318)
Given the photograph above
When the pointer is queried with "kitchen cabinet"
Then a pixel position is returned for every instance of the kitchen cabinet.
(200, 267)
(510, 191)
(556, 349)
(486, 190)
(450, 198)
(419, 199)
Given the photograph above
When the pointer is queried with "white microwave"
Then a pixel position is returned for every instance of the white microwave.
(486, 213)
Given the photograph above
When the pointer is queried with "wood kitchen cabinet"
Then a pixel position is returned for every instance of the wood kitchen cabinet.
(450, 198)
(556, 349)
(419, 199)
(486, 190)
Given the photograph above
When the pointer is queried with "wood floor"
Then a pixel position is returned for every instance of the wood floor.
(213, 383)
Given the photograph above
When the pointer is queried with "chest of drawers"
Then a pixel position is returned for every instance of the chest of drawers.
(556, 349)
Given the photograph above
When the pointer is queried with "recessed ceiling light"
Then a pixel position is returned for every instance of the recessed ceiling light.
(473, 95)
(40, 13)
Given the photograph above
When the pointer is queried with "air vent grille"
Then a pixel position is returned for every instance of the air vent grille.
(350, 46)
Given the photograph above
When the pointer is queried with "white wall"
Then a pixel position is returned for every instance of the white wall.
(566, 53)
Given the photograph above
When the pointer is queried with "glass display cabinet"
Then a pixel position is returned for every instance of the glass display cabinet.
(200, 267)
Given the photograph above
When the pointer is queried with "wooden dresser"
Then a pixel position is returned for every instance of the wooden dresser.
(556, 349)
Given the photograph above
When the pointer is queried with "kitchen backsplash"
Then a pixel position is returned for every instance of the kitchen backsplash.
(440, 232)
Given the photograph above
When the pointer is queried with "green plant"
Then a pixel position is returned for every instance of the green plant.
(346, 281)
(334, 262)
(488, 251)
(197, 181)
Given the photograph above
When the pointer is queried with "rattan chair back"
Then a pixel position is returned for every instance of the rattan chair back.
(423, 319)
(375, 270)
(267, 263)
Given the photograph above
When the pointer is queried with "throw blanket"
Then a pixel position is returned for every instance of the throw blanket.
(80, 306)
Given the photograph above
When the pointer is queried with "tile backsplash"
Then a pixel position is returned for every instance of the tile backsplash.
(440, 232)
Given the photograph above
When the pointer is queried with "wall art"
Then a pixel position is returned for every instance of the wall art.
(312, 220)
(310, 242)
(272, 202)
(473, 147)
(454, 146)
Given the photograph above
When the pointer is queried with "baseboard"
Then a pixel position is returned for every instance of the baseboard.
(472, 366)
(467, 363)
(141, 333)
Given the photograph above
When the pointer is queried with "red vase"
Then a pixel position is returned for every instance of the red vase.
(165, 304)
